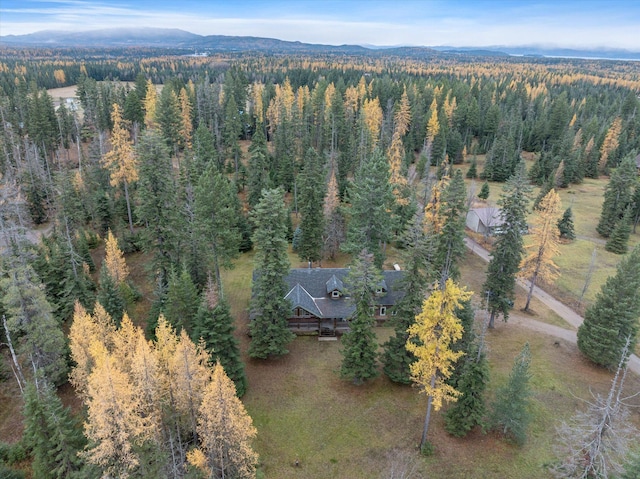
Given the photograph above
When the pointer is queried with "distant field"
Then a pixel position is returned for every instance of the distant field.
(585, 200)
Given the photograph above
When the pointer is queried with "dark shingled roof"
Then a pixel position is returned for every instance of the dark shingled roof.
(300, 298)
(334, 284)
(310, 286)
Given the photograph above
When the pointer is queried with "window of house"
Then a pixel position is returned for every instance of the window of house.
(383, 310)
(378, 290)
(335, 294)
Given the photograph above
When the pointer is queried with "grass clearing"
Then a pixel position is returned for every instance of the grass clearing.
(303, 411)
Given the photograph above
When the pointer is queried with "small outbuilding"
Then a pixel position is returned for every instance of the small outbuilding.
(484, 220)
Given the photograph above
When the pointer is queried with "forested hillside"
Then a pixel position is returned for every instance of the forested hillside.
(126, 205)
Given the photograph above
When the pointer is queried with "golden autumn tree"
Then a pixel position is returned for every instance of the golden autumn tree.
(150, 104)
(545, 237)
(225, 430)
(190, 375)
(85, 329)
(121, 161)
(435, 329)
(114, 260)
(433, 125)
(402, 117)
(113, 424)
(372, 117)
(186, 125)
(610, 143)
(397, 179)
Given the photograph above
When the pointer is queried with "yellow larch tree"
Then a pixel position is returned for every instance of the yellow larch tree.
(544, 237)
(145, 376)
(372, 115)
(113, 424)
(397, 179)
(402, 117)
(225, 430)
(610, 143)
(150, 103)
(433, 125)
(121, 161)
(186, 124)
(114, 260)
(449, 107)
(435, 329)
(190, 374)
(86, 328)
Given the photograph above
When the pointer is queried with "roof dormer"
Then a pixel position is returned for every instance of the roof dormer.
(335, 287)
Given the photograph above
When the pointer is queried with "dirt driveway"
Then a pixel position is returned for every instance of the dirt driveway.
(566, 313)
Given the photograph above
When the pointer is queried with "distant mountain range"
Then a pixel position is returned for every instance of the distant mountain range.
(180, 39)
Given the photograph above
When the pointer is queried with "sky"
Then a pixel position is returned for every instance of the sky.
(547, 23)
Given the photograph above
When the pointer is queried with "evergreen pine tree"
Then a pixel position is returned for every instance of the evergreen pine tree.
(565, 225)
(396, 359)
(311, 193)
(618, 242)
(636, 207)
(157, 204)
(110, 296)
(182, 301)
(216, 212)
(214, 325)
(449, 248)
(371, 199)
(617, 196)
(510, 410)
(258, 166)
(499, 287)
(51, 434)
(37, 335)
(169, 118)
(360, 347)
(470, 408)
(614, 315)
(484, 191)
(472, 172)
(270, 310)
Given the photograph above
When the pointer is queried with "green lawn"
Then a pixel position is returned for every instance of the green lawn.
(303, 411)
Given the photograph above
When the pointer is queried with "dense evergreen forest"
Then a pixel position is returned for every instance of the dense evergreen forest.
(193, 161)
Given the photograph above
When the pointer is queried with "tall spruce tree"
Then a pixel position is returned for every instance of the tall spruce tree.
(450, 241)
(182, 301)
(618, 242)
(417, 277)
(371, 200)
(214, 325)
(360, 346)
(35, 332)
(52, 435)
(258, 166)
(511, 413)
(499, 287)
(470, 408)
(269, 332)
(110, 295)
(614, 315)
(566, 226)
(216, 214)
(617, 196)
(311, 193)
(156, 204)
